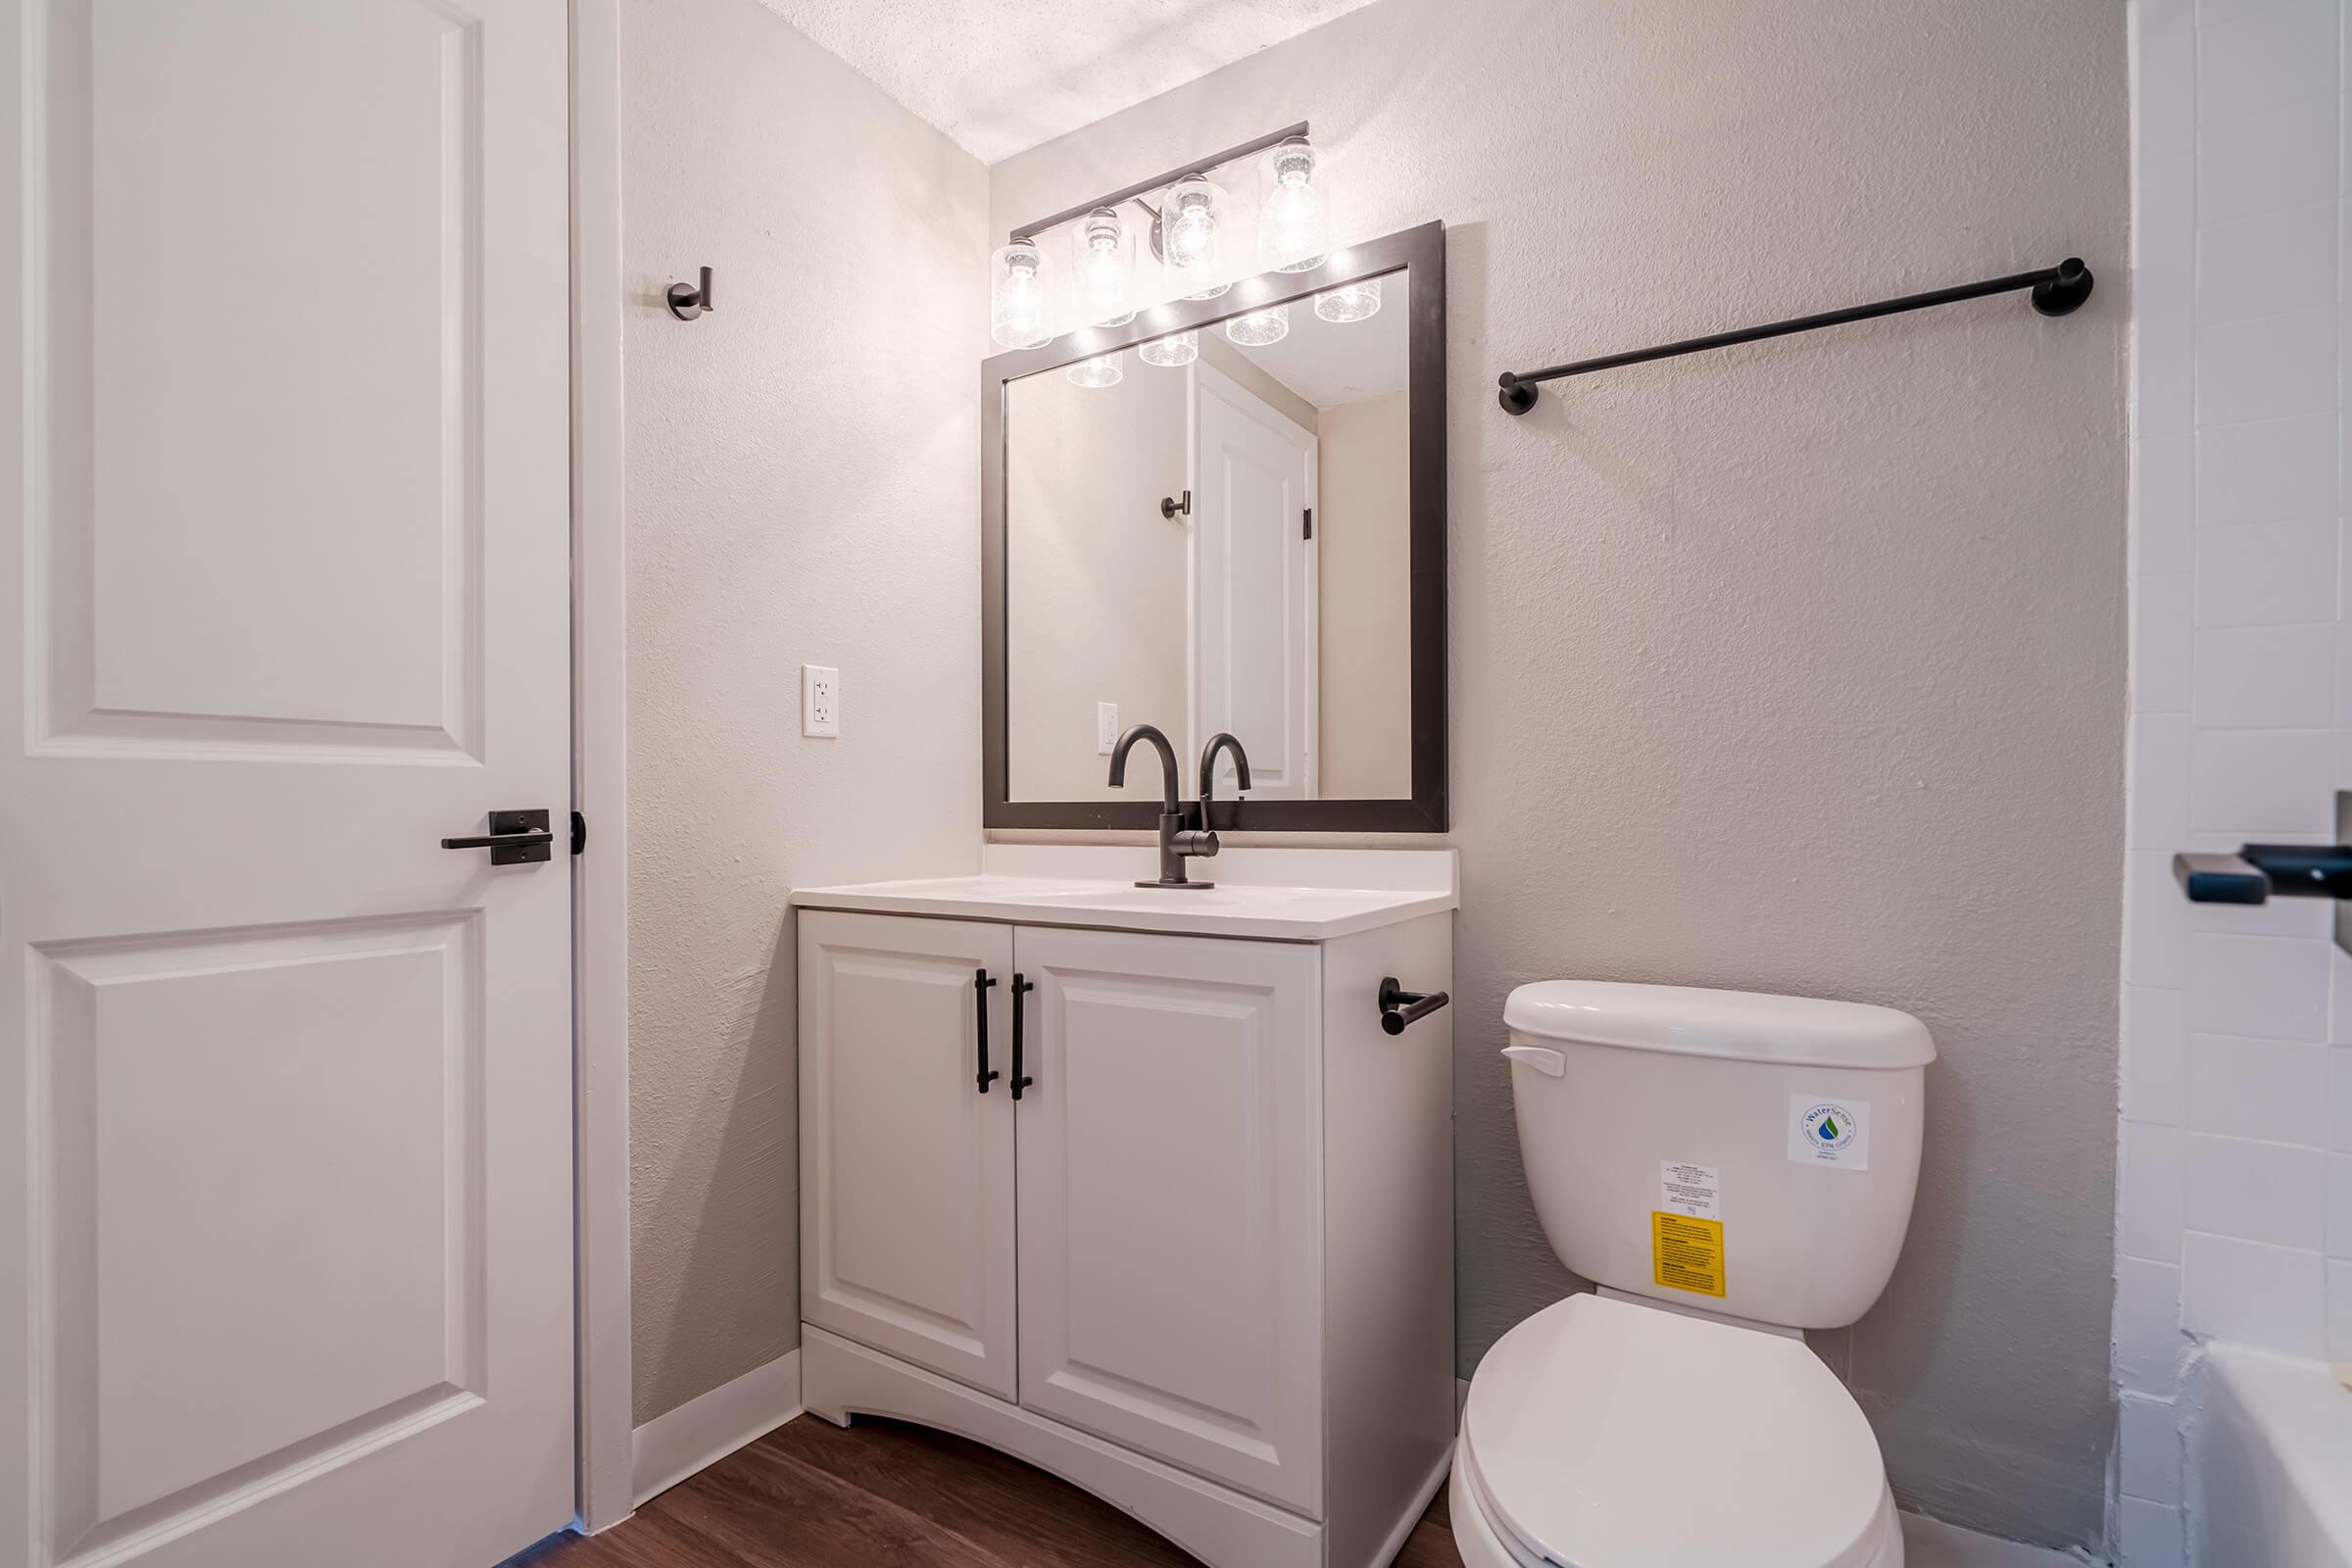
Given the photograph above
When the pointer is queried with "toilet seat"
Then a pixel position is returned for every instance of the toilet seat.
(1602, 1434)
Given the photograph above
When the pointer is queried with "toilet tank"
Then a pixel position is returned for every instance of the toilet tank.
(1748, 1155)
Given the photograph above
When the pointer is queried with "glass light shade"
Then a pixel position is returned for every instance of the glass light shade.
(1294, 226)
(1213, 291)
(1104, 369)
(1351, 302)
(1106, 269)
(1018, 294)
(1261, 326)
(1192, 223)
(1177, 348)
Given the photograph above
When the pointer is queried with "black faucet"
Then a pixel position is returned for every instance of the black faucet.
(1209, 770)
(1176, 841)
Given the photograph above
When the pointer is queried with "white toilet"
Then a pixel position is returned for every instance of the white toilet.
(1729, 1168)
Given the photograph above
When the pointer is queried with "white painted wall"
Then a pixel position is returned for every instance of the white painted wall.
(2234, 1217)
(803, 487)
(1797, 668)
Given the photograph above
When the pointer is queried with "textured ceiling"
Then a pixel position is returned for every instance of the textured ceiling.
(1000, 77)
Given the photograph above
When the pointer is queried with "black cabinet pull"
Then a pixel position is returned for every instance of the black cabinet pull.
(981, 986)
(1399, 1007)
(1020, 1078)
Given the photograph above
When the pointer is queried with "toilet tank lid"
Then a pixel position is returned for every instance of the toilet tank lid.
(1739, 1025)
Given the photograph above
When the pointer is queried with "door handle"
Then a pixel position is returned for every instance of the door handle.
(2260, 873)
(516, 838)
(1020, 1078)
(981, 986)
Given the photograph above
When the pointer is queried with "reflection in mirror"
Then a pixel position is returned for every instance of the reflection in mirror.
(1242, 612)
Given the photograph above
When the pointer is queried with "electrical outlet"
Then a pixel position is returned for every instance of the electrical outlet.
(1106, 728)
(820, 701)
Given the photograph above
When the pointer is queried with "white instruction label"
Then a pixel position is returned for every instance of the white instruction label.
(1692, 1190)
(1825, 1130)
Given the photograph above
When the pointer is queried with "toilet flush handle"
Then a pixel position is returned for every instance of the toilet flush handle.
(1549, 1063)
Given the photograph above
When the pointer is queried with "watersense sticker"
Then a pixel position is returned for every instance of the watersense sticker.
(1827, 1131)
(1696, 1191)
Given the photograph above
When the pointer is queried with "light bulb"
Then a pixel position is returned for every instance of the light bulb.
(1294, 229)
(1261, 326)
(1177, 348)
(1351, 302)
(1191, 219)
(1104, 369)
(1106, 268)
(1018, 296)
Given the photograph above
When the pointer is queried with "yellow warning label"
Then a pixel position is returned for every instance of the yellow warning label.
(1687, 1253)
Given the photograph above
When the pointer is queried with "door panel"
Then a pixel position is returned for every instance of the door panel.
(907, 1165)
(1170, 1180)
(1253, 635)
(285, 1229)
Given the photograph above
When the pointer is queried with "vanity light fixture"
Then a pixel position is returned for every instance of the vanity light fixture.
(1294, 228)
(1106, 268)
(1018, 296)
(1104, 369)
(1351, 302)
(1187, 210)
(1260, 328)
(1192, 219)
(1176, 349)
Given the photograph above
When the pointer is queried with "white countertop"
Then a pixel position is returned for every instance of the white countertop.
(1278, 895)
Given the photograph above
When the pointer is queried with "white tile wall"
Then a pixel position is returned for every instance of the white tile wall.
(2234, 1213)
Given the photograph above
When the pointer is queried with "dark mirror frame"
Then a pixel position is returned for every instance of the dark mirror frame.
(1422, 250)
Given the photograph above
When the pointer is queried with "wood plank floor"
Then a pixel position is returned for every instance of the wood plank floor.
(812, 1494)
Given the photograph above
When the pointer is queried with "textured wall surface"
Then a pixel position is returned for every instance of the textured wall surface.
(2235, 1215)
(1797, 668)
(802, 488)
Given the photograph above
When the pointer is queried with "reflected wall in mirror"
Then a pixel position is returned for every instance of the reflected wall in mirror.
(1226, 516)
(1275, 609)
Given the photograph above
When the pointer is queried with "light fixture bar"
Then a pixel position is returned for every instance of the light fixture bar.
(1198, 166)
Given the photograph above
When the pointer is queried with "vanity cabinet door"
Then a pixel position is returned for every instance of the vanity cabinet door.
(906, 1163)
(1171, 1233)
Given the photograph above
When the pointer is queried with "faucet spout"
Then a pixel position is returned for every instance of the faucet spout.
(1176, 841)
(1167, 760)
(1220, 742)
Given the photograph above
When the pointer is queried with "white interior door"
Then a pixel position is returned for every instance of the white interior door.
(907, 1162)
(1171, 1221)
(1253, 635)
(285, 1185)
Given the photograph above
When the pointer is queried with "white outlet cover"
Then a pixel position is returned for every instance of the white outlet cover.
(1107, 728)
(820, 701)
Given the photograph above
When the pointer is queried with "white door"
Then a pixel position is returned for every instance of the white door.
(286, 1182)
(1254, 591)
(906, 1164)
(1171, 1227)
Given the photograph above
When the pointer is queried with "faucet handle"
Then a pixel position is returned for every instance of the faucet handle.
(1196, 840)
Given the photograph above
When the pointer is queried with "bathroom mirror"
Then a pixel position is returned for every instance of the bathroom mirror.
(1227, 515)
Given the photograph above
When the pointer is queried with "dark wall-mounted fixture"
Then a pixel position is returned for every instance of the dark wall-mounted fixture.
(2260, 873)
(2057, 291)
(1171, 507)
(686, 302)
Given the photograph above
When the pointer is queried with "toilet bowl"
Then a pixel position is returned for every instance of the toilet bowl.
(1731, 1168)
(1609, 1434)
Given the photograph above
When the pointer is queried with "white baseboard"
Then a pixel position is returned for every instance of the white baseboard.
(699, 1433)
